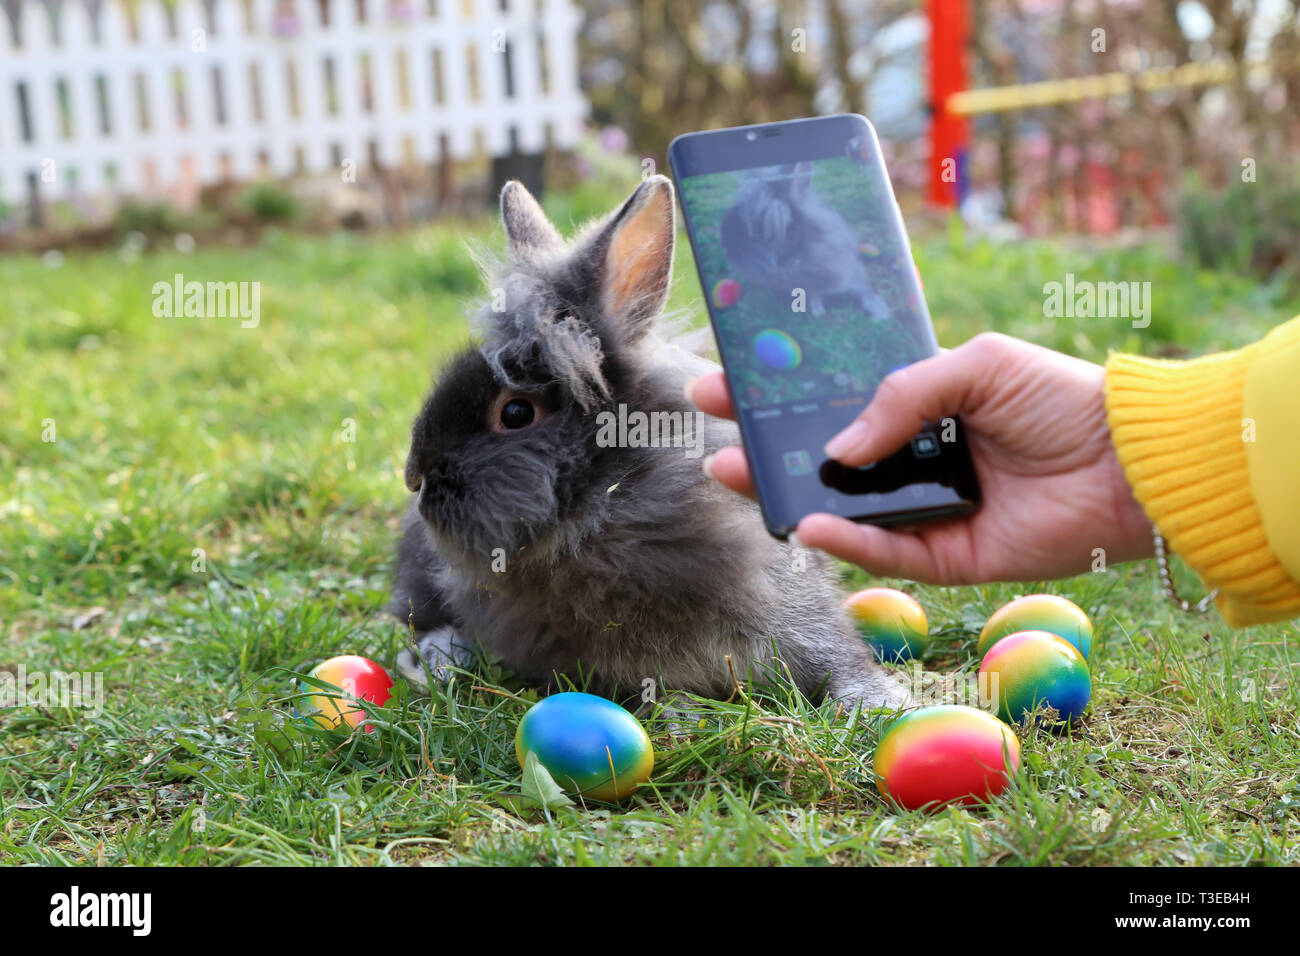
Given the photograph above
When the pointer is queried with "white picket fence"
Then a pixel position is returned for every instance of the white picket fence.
(145, 94)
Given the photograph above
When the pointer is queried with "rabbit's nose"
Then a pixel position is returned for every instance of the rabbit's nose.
(413, 477)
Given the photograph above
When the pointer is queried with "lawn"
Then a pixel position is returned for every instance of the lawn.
(217, 510)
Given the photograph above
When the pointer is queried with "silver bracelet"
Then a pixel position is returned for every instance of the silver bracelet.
(1167, 579)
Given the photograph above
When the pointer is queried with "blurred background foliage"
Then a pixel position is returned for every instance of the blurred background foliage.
(1213, 162)
(1147, 160)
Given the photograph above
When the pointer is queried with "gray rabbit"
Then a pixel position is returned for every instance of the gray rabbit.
(531, 542)
(780, 235)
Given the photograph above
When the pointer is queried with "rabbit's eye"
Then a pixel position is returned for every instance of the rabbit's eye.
(517, 414)
(514, 412)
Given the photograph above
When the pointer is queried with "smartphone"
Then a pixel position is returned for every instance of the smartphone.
(814, 298)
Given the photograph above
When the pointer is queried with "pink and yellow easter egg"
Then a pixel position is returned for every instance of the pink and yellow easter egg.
(1038, 612)
(363, 686)
(947, 754)
(892, 622)
(1031, 670)
(726, 293)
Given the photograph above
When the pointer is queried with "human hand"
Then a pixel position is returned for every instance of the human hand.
(1053, 488)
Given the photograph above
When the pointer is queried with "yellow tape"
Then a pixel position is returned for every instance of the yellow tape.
(997, 99)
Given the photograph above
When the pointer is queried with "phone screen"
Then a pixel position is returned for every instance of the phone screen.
(814, 299)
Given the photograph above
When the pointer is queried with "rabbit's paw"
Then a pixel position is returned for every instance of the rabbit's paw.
(438, 652)
(876, 307)
(876, 690)
(677, 713)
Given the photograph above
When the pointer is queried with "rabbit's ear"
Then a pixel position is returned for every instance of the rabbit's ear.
(801, 180)
(527, 227)
(638, 258)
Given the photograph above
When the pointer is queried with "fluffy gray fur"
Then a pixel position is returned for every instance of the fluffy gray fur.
(621, 564)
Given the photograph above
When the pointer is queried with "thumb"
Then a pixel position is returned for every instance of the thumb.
(930, 390)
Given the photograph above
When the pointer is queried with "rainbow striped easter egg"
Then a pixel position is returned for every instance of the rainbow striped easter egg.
(945, 754)
(1038, 612)
(590, 745)
(892, 622)
(1034, 669)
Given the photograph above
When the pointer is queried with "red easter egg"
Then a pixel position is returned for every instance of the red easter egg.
(726, 293)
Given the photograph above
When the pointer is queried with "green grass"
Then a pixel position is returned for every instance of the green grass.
(180, 434)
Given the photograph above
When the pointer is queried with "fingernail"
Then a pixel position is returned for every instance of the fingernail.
(707, 465)
(688, 388)
(851, 439)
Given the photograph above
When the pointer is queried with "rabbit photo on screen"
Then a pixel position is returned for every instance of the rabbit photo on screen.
(784, 237)
(530, 543)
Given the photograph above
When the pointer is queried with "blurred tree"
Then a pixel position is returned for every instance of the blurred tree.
(663, 67)
(1127, 151)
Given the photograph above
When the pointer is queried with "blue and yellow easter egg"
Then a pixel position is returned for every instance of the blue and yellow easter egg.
(589, 745)
(1038, 612)
(777, 349)
(892, 622)
(947, 754)
(1033, 669)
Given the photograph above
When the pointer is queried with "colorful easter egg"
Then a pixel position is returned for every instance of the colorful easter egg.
(892, 622)
(1034, 669)
(1038, 612)
(946, 754)
(362, 686)
(726, 293)
(777, 349)
(590, 745)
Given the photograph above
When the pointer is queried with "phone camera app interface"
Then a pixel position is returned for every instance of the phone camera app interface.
(814, 300)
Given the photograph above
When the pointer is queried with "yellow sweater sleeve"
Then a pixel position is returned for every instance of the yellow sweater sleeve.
(1211, 448)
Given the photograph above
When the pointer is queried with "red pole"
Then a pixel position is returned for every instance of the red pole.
(949, 133)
